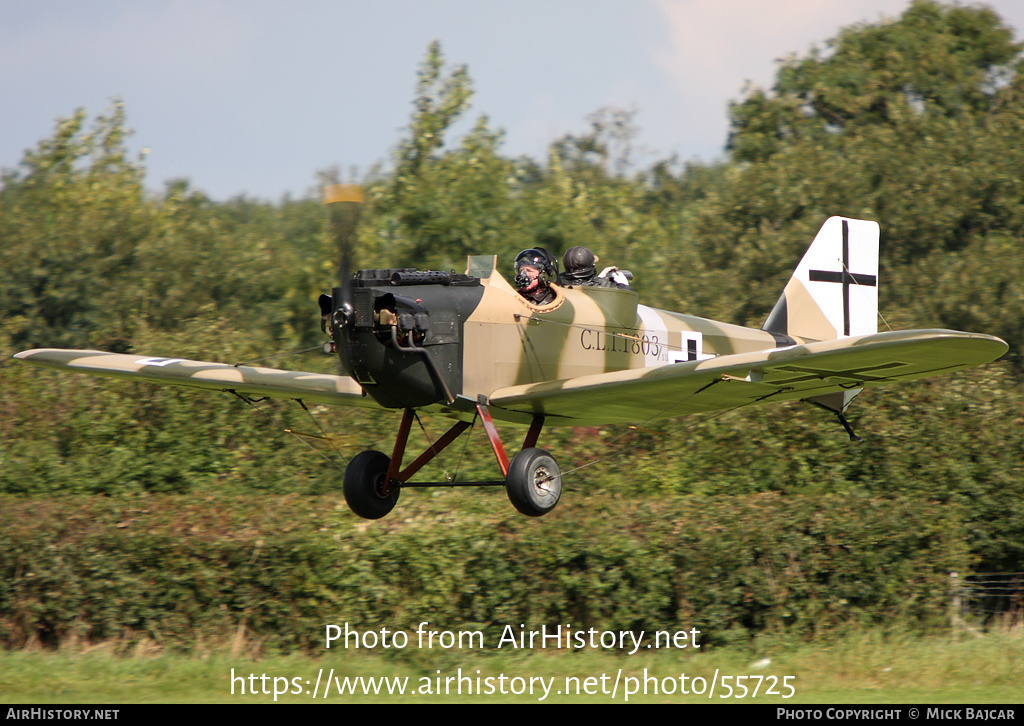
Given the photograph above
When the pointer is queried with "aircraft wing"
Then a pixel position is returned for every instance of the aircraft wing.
(730, 381)
(253, 381)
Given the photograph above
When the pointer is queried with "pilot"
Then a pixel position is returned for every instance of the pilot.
(535, 269)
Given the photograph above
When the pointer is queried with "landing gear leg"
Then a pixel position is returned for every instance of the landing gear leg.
(533, 480)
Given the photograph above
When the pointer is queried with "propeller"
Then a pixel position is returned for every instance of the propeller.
(344, 204)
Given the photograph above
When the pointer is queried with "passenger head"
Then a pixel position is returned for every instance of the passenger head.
(579, 262)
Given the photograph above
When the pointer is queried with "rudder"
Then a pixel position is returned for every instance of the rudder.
(833, 292)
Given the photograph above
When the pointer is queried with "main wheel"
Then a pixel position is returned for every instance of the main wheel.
(534, 482)
(365, 479)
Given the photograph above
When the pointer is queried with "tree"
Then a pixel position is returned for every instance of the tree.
(71, 220)
(936, 60)
(914, 123)
(438, 206)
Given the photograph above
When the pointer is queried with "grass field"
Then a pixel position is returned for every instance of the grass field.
(862, 669)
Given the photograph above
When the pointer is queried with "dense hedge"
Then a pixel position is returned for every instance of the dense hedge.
(176, 569)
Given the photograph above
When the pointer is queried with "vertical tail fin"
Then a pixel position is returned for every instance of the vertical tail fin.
(833, 292)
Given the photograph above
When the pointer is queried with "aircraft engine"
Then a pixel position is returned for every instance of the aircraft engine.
(401, 337)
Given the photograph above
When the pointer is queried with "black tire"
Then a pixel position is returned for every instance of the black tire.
(365, 477)
(534, 482)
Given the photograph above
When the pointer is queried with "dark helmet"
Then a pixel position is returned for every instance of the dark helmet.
(541, 259)
(579, 261)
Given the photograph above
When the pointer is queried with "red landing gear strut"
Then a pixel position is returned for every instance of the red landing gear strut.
(532, 478)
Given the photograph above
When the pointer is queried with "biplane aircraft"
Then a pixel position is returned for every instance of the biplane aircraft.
(470, 346)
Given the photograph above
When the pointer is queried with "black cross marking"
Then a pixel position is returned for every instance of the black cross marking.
(855, 374)
(845, 277)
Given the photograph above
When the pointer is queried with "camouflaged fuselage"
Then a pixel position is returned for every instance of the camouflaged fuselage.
(483, 336)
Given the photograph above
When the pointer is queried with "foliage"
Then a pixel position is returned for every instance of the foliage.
(70, 222)
(936, 61)
(174, 569)
(438, 207)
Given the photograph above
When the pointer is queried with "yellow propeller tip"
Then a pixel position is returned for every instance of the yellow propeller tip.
(343, 193)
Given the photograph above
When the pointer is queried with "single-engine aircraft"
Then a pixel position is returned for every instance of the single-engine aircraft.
(469, 346)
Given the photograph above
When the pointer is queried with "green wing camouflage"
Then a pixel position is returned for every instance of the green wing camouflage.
(253, 381)
(730, 381)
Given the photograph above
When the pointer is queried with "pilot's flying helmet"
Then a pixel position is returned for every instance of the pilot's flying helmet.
(539, 258)
(579, 261)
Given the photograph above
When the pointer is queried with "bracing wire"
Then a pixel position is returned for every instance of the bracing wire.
(298, 436)
(853, 277)
(430, 446)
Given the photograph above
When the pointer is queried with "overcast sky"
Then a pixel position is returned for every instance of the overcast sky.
(254, 96)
